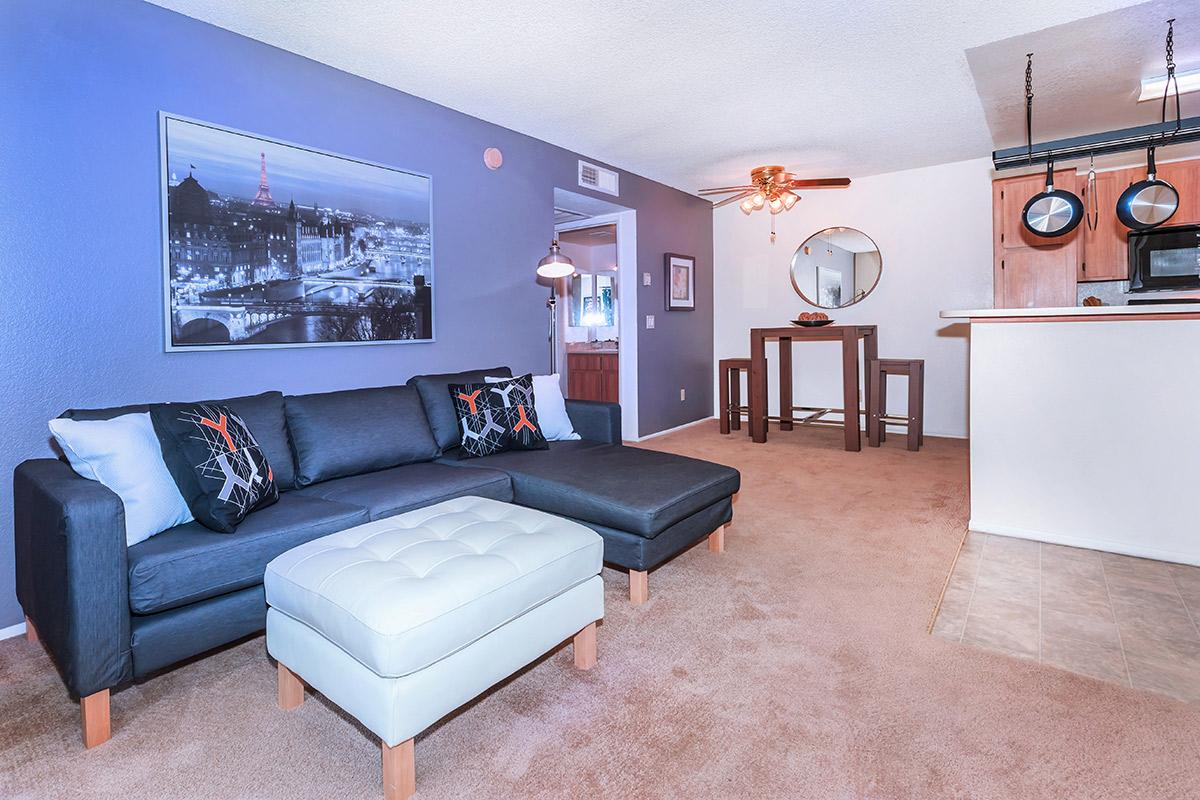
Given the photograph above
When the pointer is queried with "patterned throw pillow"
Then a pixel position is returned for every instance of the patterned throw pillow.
(216, 462)
(494, 417)
(515, 399)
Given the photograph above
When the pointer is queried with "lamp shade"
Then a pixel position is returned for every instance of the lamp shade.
(554, 264)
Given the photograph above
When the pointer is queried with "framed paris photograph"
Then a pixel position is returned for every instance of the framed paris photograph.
(273, 244)
(680, 279)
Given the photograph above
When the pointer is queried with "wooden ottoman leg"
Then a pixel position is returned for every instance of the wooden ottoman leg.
(716, 540)
(93, 711)
(291, 689)
(584, 646)
(399, 771)
(639, 587)
(30, 631)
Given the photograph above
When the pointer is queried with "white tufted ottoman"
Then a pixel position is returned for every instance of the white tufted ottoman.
(402, 620)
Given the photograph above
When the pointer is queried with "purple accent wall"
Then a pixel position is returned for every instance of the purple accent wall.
(80, 250)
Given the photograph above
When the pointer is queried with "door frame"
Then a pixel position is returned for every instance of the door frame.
(627, 326)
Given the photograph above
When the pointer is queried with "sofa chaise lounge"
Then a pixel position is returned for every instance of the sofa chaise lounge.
(109, 614)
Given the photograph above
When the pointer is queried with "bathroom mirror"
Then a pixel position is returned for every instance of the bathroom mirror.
(836, 267)
(592, 300)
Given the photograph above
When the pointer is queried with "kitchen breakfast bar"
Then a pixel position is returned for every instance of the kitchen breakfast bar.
(1084, 426)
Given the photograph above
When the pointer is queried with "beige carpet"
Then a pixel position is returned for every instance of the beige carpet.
(795, 665)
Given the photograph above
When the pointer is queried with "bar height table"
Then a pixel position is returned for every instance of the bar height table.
(848, 335)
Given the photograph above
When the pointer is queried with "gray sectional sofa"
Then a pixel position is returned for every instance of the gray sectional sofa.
(109, 613)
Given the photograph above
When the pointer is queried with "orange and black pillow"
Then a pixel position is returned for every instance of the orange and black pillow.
(494, 417)
(215, 461)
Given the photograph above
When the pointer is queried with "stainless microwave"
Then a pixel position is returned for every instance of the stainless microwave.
(1164, 258)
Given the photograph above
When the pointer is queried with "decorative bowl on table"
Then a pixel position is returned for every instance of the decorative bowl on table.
(812, 319)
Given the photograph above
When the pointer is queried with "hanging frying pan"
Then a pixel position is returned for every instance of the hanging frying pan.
(1149, 203)
(1054, 212)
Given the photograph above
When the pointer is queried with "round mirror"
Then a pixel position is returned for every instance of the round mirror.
(836, 267)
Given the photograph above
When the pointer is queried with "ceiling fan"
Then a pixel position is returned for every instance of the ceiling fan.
(771, 187)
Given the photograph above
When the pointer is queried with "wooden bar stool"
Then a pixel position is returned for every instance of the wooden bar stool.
(731, 370)
(878, 419)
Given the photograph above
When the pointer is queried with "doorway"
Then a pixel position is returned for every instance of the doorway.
(596, 336)
(589, 329)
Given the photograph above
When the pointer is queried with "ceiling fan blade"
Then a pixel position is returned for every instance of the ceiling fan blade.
(724, 189)
(733, 199)
(818, 183)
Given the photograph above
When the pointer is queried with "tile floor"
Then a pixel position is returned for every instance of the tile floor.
(1116, 618)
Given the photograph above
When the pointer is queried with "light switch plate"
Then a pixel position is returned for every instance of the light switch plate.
(649, 322)
(682, 394)
(645, 279)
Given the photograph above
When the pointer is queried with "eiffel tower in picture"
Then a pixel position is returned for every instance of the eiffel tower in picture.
(263, 198)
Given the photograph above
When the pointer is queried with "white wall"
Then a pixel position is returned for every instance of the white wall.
(1064, 452)
(934, 230)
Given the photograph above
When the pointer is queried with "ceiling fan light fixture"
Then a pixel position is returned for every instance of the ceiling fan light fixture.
(775, 204)
(790, 199)
(747, 206)
(759, 199)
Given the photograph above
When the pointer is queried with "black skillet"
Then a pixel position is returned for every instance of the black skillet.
(1054, 212)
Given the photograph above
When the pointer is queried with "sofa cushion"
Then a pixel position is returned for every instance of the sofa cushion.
(628, 488)
(394, 491)
(262, 413)
(360, 430)
(435, 395)
(191, 562)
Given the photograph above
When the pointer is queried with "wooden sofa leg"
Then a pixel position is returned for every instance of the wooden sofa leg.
(93, 711)
(30, 631)
(291, 689)
(399, 771)
(639, 586)
(716, 540)
(584, 646)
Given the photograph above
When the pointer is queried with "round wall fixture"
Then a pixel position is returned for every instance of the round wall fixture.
(493, 158)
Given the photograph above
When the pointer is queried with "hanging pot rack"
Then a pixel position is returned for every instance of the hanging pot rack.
(1125, 140)
(1160, 134)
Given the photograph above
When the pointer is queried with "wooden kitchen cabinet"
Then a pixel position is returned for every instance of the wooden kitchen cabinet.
(1031, 271)
(1105, 254)
(1032, 277)
(1185, 177)
(593, 376)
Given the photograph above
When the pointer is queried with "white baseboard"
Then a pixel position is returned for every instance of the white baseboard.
(12, 630)
(1123, 548)
(673, 430)
(934, 434)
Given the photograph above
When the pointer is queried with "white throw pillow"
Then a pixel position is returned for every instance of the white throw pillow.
(550, 407)
(123, 453)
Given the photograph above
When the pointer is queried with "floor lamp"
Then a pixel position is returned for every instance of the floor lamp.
(554, 265)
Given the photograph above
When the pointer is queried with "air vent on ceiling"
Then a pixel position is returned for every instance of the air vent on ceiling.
(598, 178)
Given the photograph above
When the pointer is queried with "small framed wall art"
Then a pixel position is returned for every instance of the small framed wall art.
(680, 280)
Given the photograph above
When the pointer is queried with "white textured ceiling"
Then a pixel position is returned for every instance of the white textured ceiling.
(693, 93)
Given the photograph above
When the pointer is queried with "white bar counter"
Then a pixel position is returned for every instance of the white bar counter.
(1085, 426)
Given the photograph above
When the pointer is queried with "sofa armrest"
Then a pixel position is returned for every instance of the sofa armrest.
(72, 575)
(595, 421)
